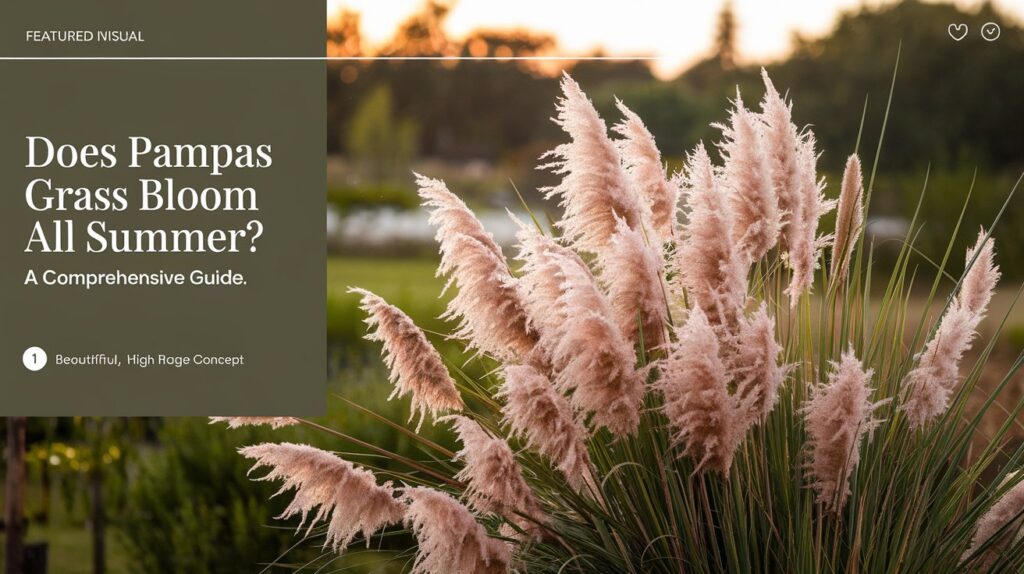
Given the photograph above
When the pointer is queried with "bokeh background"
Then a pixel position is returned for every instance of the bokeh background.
(171, 495)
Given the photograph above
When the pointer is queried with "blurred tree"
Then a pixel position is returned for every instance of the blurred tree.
(725, 37)
(422, 34)
(344, 35)
(381, 143)
(14, 496)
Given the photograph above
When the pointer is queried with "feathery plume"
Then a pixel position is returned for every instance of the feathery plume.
(450, 540)
(804, 244)
(1004, 520)
(594, 188)
(643, 164)
(349, 498)
(631, 269)
(838, 416)
(540, 282)
(697, 401)
(590, 357)
(755, 367)
(710, 268)
(748, 182)
(782, 139)
(980, 280)
(931, 383)
(849, 217)
(535, 411)
(273, 422)
(415, 366)
(495, 481)
(487, 303)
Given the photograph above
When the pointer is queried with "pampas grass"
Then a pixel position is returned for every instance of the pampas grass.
(349, 498)
(663, 399)
(933, 381)
(849, 216)
(416, 367)
(838, 417)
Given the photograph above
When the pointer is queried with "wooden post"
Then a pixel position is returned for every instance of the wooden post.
(14, 495)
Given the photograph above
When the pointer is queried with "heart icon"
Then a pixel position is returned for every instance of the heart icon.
(958, 31)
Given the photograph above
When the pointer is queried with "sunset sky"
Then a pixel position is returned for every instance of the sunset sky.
(678, 32)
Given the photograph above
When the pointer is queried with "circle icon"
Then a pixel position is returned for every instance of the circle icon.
(991, 31)
(34, 358)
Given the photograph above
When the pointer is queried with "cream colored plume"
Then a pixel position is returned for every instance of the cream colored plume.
(594, 187)
(710, 267)
(694, 383)
(849, 217)
(748, 182)
(450, 540)
(646, 172)
(781, 141)
(931, 383)
(495, 481)
(486, 304)
(804, 244)
(347, 498)
(1004, 522)
(535, 411)
(272, 422)
(838, 416)
(415, 366)
(593, 363)
(632, 270)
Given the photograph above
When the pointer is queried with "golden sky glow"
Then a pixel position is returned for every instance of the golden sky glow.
(677, 31)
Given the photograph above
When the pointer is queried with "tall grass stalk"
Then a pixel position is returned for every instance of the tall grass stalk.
(735, 424)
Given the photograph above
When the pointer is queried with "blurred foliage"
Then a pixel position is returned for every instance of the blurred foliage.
(383, 143)
(348, 197)
(194, 509)
(945, 198)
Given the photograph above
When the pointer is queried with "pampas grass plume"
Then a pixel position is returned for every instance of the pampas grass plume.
(415, 366)
(632, 271)
(804, 244)
(495, 481)
(933, 380)
(450, 540)
(646, 171)
(697, 403)
(755, 367)
(1004, 520)
(838, 416)
(534, 410)
(594, 188)
(748, 182)
(349, 498)
(487, 302)
(781, 140)
(591, 359)
(849, 217)
(272, 422)
(710, 268)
